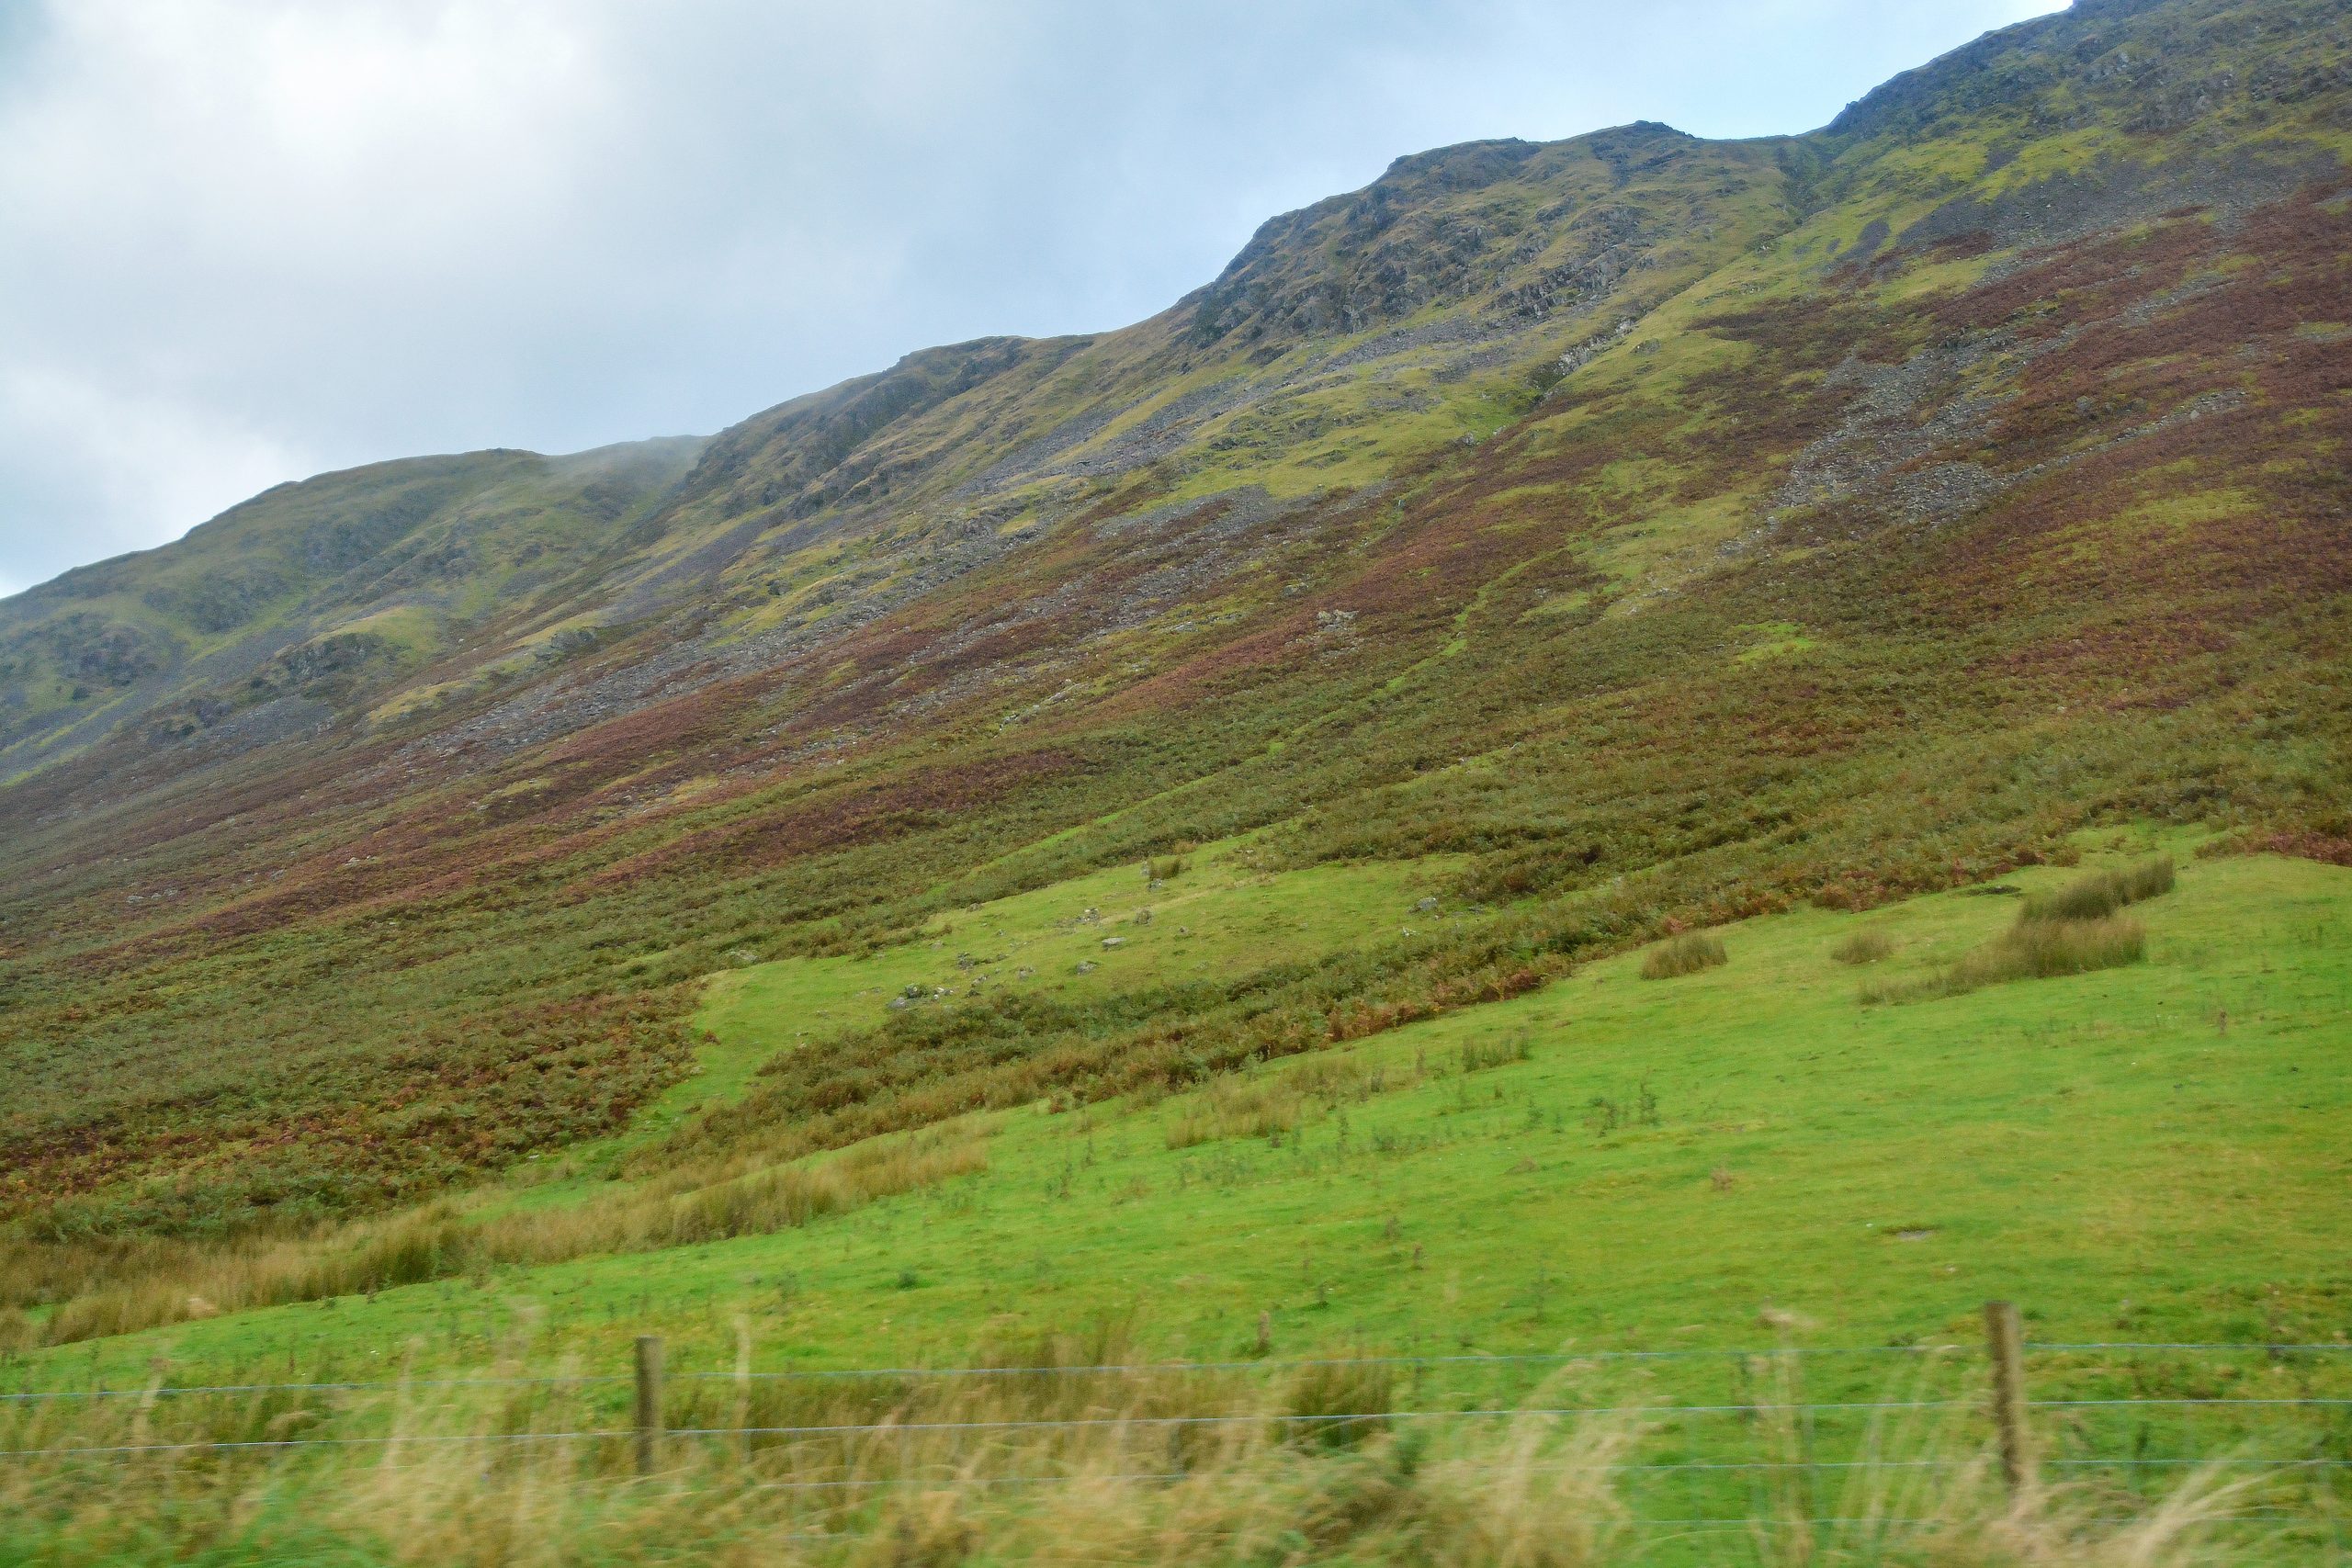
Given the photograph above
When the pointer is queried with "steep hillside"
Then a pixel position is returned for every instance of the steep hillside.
(1604, 534)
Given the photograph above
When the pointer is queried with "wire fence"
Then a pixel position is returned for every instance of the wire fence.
(1729, 1355)
(1728, 1436)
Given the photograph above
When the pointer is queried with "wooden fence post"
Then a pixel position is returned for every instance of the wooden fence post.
(2004, 1341)
(1265, 1332)
(648, 1403)
(743, 1385)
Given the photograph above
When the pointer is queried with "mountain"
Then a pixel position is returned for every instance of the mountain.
(1631, 531)
(310, 592)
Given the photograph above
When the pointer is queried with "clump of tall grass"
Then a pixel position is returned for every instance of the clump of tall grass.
(1477, 1056)
(1684, 955)
(2071, 931)
(2101, 894)
(2031, 950)
(1866, 946)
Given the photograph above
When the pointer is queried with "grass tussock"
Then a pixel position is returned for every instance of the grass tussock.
(1497, 1051)
(1863, 947)
(1271, 1105)
(2040, 945)
(1143, 1481)
(2032, 950)
(1684, 955)
(2101, 894)
(441, 1241)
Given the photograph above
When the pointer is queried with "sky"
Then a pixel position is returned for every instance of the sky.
(248, 240)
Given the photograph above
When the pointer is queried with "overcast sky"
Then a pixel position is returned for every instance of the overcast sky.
(246, 241)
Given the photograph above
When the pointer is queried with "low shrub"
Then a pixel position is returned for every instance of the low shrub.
(1684, 955)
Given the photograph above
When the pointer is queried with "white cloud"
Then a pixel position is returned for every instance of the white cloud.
(289, 135)
(108, 463)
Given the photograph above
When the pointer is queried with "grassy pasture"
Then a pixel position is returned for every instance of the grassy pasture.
(2147, 1152)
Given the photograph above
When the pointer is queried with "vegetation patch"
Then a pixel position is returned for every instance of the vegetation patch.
(1684, 955)
(1084, 1461)
(2101, 894)
(1270, 1106)
(2072, 931)
(1867, 946)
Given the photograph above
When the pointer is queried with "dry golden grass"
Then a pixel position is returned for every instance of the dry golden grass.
(1531, 1491)
(148, 1285)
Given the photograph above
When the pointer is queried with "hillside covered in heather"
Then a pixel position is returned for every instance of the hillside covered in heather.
(1547, 547)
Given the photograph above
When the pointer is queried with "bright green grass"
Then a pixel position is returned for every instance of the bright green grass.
(1220, 918)
(2096, 1147)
